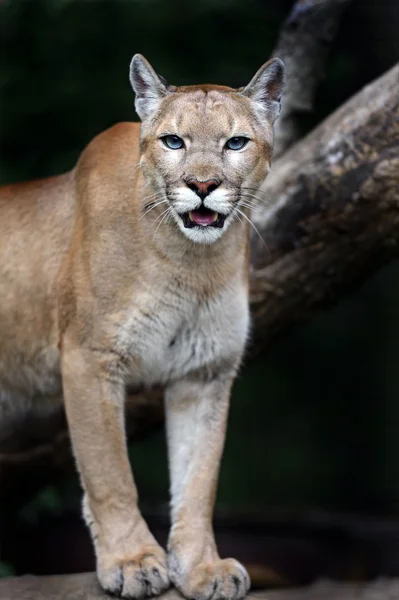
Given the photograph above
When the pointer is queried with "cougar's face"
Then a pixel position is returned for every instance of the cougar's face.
(205, 151)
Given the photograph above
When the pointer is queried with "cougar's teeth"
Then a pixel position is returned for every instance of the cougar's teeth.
(215, 217)
(190, 216)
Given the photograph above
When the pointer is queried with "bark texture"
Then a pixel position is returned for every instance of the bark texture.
(304, 43)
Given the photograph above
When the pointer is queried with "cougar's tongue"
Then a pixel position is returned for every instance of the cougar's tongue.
(204, 217)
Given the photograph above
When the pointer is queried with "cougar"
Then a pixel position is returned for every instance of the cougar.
(129, 272)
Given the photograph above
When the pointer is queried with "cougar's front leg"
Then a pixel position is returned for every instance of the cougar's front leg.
(130, 563)
(196, 416)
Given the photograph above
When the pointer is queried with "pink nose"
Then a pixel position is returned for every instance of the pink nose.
(202, 188)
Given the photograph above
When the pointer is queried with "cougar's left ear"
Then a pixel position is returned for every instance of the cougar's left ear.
(266, 87)
(149, 87)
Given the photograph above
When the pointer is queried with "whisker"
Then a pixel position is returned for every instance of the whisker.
(162, 213)
(254, 227)
(153, 199)
(250, 201)
(238, 218)
(151, 196)
(165, 213)
(255, 192)
(135, 168)
(251, 195)
(152, 207)
(265, 202)
(253, 199)
(254, 196)
(252, 189)
(248, 204)
(153, 203)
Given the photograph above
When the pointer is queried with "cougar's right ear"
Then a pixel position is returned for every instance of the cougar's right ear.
(149, 87)
(266, 87)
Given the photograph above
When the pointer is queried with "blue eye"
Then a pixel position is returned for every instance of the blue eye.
(174, 142)
(236, 143)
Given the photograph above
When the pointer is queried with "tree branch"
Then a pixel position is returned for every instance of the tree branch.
(304, 43)
(333, 211)
(43, 447)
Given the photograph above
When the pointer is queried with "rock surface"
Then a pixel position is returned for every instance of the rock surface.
(84, 586)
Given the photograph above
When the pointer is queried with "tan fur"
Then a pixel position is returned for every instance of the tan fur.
(101, 291)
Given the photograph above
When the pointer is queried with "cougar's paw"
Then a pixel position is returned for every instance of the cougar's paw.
(139, 576)
(220, 580)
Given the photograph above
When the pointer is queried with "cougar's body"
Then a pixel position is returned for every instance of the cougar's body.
(36, 222)
(131, 272)
(169, 323)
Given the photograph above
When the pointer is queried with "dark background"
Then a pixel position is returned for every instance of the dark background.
(315, 421)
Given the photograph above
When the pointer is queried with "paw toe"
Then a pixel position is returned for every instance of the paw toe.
(221, 580)
(138, 577)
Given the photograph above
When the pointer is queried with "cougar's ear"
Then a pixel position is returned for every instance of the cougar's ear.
(149, 87)
(266, 87)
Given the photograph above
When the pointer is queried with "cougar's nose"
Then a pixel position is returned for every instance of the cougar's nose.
(202, 188)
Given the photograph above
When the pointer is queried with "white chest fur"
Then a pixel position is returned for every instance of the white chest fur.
(171, 333)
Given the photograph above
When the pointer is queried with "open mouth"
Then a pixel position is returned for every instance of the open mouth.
(202, 217)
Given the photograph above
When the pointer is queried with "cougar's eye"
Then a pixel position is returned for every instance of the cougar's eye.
(236, 143)
(174, 142)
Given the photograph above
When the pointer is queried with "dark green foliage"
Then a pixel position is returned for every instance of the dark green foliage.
(64, 66)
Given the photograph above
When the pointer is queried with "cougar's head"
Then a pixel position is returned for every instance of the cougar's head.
(206, 149)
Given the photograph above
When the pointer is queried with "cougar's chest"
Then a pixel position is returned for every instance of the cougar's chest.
(172, 334)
